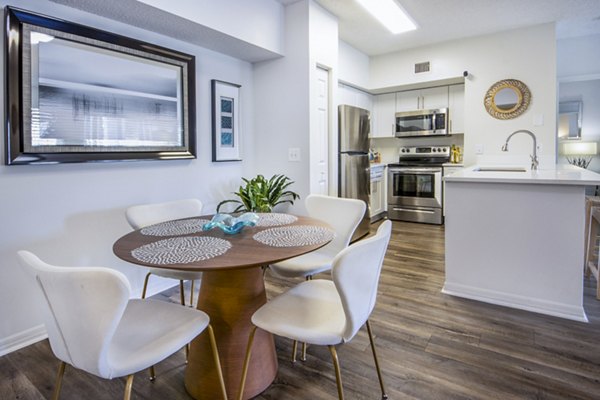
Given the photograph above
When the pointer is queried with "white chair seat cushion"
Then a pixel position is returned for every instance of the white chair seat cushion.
(176, 274)
(310, 312)
(304, 265)
(149, 331)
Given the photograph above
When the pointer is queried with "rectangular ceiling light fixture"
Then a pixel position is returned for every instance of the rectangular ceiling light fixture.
(390, 14)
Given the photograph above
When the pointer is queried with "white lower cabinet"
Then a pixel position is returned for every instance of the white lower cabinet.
(377, 198)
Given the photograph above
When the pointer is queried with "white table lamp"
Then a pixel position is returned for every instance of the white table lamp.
(579, 153)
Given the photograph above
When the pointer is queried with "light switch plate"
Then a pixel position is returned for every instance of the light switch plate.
(294, 154)
(538, 120)
(479, 148)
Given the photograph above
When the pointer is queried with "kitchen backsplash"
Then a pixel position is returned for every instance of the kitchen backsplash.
(388, 147)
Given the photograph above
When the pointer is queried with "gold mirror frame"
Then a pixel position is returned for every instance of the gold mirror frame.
(523, 99)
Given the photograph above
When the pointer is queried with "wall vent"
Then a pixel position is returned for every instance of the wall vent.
(422, 67)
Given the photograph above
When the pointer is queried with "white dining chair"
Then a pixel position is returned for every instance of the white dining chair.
(92, 324)
(343, 215)
(144, 215)
(329, 312)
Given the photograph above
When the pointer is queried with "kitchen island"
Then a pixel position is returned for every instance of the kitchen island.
(515, 237)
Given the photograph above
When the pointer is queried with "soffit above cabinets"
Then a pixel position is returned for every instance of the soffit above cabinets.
(144, 16)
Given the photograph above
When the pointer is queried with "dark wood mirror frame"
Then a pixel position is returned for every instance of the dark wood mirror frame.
(127, 97)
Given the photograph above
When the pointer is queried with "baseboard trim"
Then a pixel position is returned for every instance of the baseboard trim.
(22, 339)
(514, 301)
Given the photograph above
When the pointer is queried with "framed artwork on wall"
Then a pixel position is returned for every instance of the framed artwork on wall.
(79, 94)
(226, 135)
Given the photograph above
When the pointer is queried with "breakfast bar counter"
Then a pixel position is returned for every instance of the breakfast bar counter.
(515, 237)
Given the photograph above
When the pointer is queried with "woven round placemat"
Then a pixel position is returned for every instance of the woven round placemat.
(175, 228)
(296, 235)
(181, 250)
(275, 219)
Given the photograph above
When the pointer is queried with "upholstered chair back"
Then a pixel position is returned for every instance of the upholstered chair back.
(343, 215)
(85, 305)
(150, 214)
(356, 272)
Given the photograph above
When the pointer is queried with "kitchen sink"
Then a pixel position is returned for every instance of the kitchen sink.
(500, 169)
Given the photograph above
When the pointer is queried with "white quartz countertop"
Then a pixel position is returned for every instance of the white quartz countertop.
(561, 174)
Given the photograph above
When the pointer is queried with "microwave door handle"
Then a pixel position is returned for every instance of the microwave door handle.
(433, 121)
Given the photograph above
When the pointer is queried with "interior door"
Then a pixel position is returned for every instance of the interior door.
(320, 135)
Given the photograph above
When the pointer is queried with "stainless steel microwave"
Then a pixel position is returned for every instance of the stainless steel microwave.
(420, 123)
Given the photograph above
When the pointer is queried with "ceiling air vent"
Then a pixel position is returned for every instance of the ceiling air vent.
(422, 67)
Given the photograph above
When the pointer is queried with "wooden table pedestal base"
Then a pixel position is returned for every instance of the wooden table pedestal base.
(230, 298)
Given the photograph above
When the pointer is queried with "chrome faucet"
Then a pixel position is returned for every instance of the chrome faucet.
(534, 159)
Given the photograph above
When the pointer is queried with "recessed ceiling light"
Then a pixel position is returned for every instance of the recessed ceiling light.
(390, 14)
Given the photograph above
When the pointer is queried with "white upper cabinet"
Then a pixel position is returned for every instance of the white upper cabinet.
(354, 97)
(456, 108)
(383, 117)
(422, 99)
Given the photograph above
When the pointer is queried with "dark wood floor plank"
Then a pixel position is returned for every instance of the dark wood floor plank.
(431, 346)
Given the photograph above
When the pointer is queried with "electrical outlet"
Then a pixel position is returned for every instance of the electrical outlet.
(539, 148)
(478, 149)
(538, 120)
(294, 154)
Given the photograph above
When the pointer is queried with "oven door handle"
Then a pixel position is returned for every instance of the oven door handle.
(430, 170)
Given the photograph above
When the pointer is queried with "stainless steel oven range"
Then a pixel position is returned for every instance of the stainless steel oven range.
(415, 184)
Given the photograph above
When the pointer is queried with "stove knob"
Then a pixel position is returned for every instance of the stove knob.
(444, 149)
(434, 150)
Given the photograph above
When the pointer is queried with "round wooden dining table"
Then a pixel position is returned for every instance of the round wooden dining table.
(232, 288)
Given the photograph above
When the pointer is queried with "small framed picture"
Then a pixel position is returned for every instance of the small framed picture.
(226, 135)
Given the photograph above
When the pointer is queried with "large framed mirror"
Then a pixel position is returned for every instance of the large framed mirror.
(569, 119)
(507, 99)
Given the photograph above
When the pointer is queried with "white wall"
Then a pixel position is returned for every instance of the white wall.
(238, 18)
(353, 65)
(527, 54)
(72, 214)
(323, 48)
(281, 105)
(578, 57)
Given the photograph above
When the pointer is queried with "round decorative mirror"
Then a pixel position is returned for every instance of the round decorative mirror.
(507, 99)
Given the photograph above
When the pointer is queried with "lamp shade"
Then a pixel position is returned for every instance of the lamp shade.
(579, 148)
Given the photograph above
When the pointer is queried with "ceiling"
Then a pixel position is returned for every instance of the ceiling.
(443, 20)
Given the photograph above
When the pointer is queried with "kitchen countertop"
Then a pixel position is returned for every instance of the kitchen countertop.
(449, 164)
(562, 174)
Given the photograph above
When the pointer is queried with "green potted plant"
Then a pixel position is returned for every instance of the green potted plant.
(261, 195)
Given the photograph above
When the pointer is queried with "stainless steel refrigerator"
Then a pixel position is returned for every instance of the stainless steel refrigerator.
(353, 159)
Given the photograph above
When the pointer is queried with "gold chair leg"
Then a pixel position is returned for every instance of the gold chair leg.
(383, 394)
(192, 293)
(215, 351)
(303, 358)
(338, 375)
(128, 387)
(294, 351)
(59, 376)
(146, 285)
(152, 374)
(246, 363)
(181, 293)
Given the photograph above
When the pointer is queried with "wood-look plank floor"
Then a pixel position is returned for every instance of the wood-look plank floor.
(431, 346)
